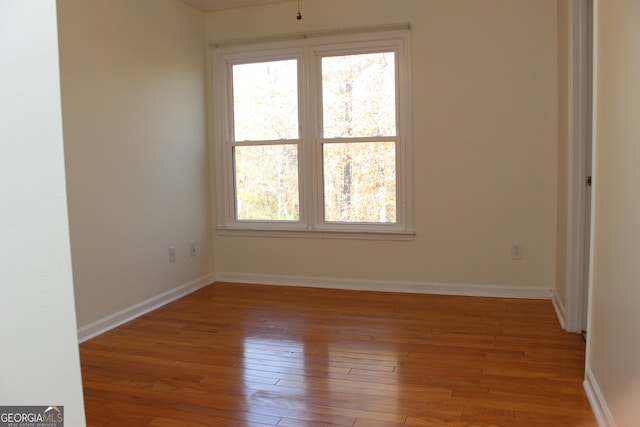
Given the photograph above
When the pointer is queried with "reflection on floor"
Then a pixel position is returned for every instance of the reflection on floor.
(249, 355)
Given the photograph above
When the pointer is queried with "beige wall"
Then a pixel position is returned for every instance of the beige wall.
(133, 76)
(39, 357)
(485, 144)
(614, 348)
(563, 151)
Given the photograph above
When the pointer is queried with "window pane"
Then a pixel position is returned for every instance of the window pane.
(358, 95)
(360, 182)
(265, 101)
(266, 182)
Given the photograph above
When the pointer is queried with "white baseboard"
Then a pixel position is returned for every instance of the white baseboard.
(596, 400)
(480, 290)
(558, 306)
(103, 325)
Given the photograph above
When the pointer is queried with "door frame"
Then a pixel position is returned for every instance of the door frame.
(580, 124)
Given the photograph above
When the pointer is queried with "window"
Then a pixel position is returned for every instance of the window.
(312, 137)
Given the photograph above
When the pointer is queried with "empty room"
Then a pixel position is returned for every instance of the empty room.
(321, 212)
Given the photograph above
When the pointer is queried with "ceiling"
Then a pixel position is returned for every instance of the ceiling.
(211, 5)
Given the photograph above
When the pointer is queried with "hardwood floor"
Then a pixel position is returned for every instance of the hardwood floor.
(249, 355)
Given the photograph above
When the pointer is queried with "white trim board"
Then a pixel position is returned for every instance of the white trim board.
(558, 306)
(478, 290)
(114, 320)
(596, 400)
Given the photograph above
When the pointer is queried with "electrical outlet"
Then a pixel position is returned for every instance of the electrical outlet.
(517, 250)
(193, 251)
(172, 254)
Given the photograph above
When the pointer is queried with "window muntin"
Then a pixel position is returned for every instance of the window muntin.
(305, 179)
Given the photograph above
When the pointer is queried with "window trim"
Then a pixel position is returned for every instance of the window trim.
(308, 51)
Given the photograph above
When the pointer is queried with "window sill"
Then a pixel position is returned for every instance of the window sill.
(405, 236)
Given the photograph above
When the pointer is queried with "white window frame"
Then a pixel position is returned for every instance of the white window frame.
(308, 51)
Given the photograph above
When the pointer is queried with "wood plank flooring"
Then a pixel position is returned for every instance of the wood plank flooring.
(248, 355)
